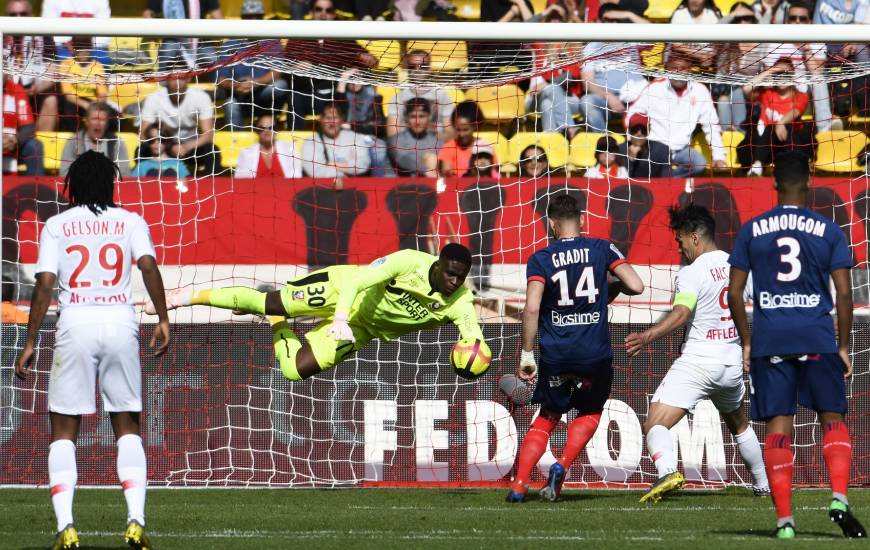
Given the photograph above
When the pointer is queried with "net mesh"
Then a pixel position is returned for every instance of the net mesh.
(218, 411)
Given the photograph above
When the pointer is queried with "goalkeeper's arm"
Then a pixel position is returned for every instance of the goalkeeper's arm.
(534, 292)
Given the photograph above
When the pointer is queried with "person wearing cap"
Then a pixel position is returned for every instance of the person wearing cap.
(244, 88)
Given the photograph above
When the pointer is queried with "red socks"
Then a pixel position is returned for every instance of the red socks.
(838, 456)
(534, 445)
(779, 461)
(580, 431)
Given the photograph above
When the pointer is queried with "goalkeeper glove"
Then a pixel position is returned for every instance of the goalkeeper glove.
(528, 367)
(339, 329)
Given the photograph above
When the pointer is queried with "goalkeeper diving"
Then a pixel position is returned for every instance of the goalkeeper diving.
(397, 294)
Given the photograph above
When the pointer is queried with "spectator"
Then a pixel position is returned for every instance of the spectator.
(96, 136)
(779, 126)
(455, 154)
(481, 166)
(19, 139)
(673, 107)
(176, 52)
(311, 94)
(333, 151)
(245, 88)
(86, 74)
(270, 157)
(418, 63)
(809, 58)
(845, 12)
(409, 147)
(608, 162)
(366, 10)
(186, 115)
(696, 12)
(153, 160)
(741, 59)
(533, 162)
(364, 111)
(771, 11)
(33, 53)
(513, 10)
(98, 9)
(635, 151)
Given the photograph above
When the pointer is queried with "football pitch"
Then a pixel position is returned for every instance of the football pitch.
(408, 518)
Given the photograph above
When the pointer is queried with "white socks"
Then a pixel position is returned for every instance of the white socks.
(660, 446)
(750, 450)
(133, 472)
(62, 477)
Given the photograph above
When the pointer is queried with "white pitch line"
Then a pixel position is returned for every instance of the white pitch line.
(558, 508)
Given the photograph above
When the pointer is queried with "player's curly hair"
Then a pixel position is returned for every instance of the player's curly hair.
(692, 218)
(91, 182)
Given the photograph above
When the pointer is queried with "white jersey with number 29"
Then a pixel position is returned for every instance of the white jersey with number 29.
(92, 256)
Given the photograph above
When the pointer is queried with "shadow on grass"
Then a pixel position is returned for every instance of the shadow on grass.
(765, 533)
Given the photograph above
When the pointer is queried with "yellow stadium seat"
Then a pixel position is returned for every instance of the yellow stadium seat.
(133, 54)
(467, 9)
(582, 152)
(457, 95)
(500, 145)
(539, 5)
(386, 92)
(296, 137)
(653, 56)
(661, 10)
(387, 52)
(124, 95)
(554, 143)
(52, 148)
(230, 143)
(725, 6)
(731, 139)
(838, 150)
(446, 55)
(498, 102)
(131, 140)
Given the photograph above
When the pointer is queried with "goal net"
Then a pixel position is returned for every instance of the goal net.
(256, 160)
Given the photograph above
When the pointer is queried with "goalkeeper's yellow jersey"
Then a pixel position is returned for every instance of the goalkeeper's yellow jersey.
(392, 296)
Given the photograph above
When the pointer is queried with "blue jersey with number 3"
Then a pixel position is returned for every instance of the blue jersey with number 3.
(573, 315)
(791, 253)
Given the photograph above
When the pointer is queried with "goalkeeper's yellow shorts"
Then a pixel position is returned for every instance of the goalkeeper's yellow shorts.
(316, 294)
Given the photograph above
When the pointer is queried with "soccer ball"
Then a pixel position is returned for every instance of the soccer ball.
(470, 358)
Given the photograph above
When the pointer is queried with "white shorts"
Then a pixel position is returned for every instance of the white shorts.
(83, 352)
(688, 382)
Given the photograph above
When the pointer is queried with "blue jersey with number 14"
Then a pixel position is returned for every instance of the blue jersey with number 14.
(573, 315)
(791, 253)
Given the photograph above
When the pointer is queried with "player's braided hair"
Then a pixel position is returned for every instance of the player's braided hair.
(692, 218)
(91, 182)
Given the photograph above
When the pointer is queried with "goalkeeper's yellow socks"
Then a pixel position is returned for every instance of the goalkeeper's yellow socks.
(236, 298)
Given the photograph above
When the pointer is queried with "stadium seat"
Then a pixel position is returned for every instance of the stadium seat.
(467, 9)
(296, 137)
(661, 10)
(388, 52)
(386, 92)
(731, 139)
(446, 55)
(500, 144)
(838, 150)
(498, 102)
(457, 95)
(725, 6)
(230, 143)
(52, 148)
(131, 140)
(124, 95)
(132, 54)
(582, 151)
(553, 143)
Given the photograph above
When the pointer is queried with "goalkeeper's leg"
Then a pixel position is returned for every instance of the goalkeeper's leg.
(236, 298)
(320, 352)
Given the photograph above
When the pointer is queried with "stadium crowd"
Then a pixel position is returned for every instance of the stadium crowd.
(621, 123)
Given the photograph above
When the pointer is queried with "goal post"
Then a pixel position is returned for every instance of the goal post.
(217, 410)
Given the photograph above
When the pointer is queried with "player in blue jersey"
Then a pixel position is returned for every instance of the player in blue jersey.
(793, 357)
(566, 297)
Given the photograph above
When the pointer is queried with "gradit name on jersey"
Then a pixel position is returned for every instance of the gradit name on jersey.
(571, 319)
(571, 256)
(767, 300)
(788, 221)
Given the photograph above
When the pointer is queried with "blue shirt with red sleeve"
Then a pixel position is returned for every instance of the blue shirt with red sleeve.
(573, 315)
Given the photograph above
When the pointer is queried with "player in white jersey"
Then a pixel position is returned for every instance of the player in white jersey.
(88, 250)
(711, 363)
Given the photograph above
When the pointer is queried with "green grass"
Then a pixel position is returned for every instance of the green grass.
(385, 518)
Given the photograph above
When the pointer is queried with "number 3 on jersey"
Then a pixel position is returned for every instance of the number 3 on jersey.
(115, 265)
(585, 286)
(790, 258)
